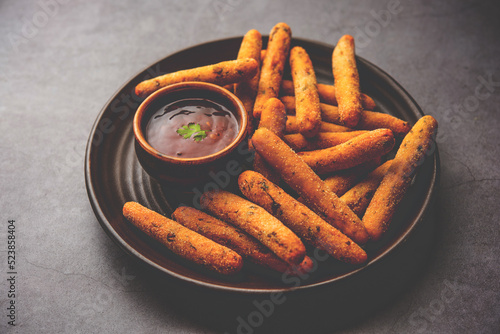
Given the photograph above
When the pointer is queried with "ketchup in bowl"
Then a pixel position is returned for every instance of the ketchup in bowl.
(191, 128)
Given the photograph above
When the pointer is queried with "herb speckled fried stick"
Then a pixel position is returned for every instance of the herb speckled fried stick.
(341, 181)
(353, 152)
(307, 108)
(182, 241)
(322, 140)
(369, 120)
(299, 218)
(246, 90)
(231, 237)
(298, 175)
(359, 196)
(273, 64)
(326, 94)
(293, 127)
(257, 222)
(396, 181)
(346, 77)
(273, 117)
(223, 73)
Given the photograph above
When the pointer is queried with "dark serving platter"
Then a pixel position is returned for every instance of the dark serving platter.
(114, 176)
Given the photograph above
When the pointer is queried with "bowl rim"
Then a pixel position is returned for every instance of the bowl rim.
(182, 86)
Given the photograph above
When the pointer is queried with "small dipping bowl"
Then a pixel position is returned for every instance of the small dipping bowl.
(186, 170)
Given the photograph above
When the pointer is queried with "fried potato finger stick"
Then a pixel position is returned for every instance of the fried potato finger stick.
(307, 108)
(359, 196)
(246, 90)
(223, 73)
(231, 237)
(273, 117)
(298, 175)
(322, 140)
(396, 181)
(346, 77)
(292, 126)
(273, 64)
(182, 241)
(257, 222)
(369, 120)
(326, 94)
(359, 149)
(299, 218)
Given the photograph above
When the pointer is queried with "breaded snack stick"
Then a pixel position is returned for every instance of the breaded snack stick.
(346, 77)
(359, 196)
(293, 127)
(299, 218)
(322, 140)
(257, 222)
(223, 73)
(359, 149)
(273, 117)
(247, 89)
(298, 175)
(182, 241)
(273, 64)
(326, 94)
(396, 181)
(343, 180)
(307, 108)
(369, 120)
(231, 237)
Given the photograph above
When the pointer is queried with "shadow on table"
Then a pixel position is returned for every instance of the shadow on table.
(317, 310)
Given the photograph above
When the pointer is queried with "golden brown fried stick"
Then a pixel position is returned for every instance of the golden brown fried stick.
(182, 241)
(396, 181)
(257, 222)
(273, 117)
(246, 91)
(298, 175)
(340, 182)
(223, 73)
(359, 196)
(273, 64)
(322, 140)
(231, 237)
(369, 120)
(326, 94)
(293, 127)
(307, 108)
(356, 151)
(299, 218)
(346, 77)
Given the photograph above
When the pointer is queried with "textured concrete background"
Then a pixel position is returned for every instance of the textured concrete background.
(61, 61)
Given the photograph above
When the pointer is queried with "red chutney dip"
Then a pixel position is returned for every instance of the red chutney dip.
(191, 128)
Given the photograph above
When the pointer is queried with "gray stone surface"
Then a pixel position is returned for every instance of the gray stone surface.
(59, 64)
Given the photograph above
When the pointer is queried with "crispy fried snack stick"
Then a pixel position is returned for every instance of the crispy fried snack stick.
(326, 94)
(322, 140)
(246, 90)
(359, 149)
(182, 241)
(307, 108)
(345, 74)
(340, 182)
(298, 175)
(359, 196)
(232, 237)
(299, 218)
(293, 127)
(273, 64)
(396, 181)
(257, 222)
(369, 120)
(223, 73)
(273, 117)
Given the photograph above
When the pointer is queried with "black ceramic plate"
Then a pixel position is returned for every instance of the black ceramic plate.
(114, 176)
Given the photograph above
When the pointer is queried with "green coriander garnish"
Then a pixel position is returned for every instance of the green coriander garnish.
(192, 130)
